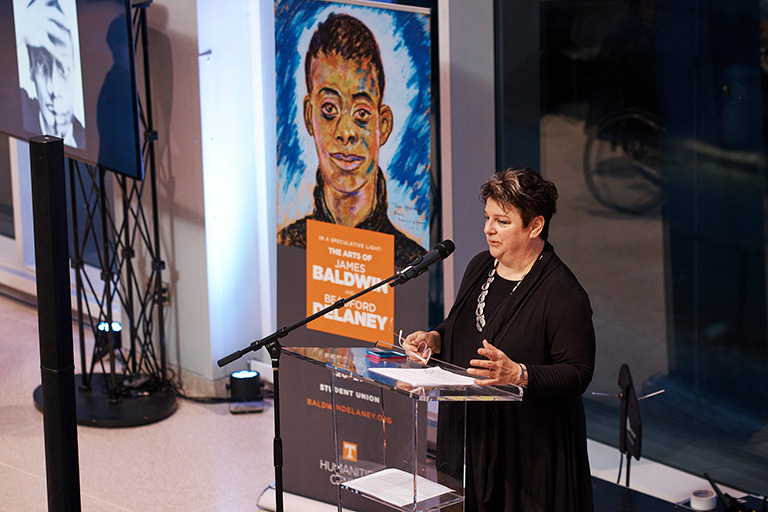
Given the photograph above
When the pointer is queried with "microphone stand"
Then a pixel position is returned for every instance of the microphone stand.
(273, 347)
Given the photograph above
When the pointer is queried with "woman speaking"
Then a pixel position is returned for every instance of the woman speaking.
(520, 318)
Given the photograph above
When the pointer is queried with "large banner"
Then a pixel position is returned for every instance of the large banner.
(354, 147)
(354, 132)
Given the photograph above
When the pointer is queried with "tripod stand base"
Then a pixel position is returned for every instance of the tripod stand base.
(94, 408)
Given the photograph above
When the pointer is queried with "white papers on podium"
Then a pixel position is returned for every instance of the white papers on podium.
(433, 377)
(396, 487)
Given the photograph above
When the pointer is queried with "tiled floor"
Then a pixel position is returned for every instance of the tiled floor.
(201, 458)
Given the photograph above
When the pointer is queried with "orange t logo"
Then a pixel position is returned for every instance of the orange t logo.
(349, 451)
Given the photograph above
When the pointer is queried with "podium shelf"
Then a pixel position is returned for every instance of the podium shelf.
(436, 381)
(398, 489)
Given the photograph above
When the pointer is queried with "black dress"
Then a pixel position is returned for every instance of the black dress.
(530, 455)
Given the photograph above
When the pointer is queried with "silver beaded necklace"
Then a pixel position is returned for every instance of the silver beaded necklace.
(480, 310)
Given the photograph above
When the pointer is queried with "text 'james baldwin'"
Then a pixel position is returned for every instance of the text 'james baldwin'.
(341, 276)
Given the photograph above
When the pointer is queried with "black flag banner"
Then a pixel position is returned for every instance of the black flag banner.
(630, 426)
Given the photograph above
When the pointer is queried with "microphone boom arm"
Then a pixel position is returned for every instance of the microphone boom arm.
(414, 269)
(270, 341)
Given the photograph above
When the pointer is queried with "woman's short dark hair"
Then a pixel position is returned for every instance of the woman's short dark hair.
(527, 191)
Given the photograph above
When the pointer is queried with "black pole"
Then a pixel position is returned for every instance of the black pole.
(130, 275)
(77, 264)
(151, 134)
(626, 477)
(272, 344)
(277, 444)
(54, 314)
(107, 277)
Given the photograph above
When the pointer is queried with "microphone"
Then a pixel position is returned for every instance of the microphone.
(422, 263)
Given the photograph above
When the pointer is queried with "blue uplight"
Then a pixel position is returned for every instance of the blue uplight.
(104, 327)
(245, 374)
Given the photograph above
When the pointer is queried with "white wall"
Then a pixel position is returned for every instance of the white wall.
(215, 168)
(179, 165)
(239, 172)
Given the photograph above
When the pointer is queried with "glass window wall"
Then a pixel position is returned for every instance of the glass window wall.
(652, 123)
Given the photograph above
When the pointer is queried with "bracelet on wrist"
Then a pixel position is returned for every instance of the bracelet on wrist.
(523, 376)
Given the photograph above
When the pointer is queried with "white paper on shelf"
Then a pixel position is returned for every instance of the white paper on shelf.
(396, 487)
(426, 377)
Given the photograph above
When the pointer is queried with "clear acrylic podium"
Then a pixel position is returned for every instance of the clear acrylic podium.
(380, 414)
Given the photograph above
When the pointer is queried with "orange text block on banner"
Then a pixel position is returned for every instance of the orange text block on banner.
(342, 261)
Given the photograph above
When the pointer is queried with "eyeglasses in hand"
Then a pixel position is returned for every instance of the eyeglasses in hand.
(422, 355)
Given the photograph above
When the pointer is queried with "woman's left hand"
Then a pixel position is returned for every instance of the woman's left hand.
(498, 368)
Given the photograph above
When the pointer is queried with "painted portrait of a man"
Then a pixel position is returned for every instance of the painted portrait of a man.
(345, 114)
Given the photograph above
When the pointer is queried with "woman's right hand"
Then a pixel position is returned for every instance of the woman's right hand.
(422, 343)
